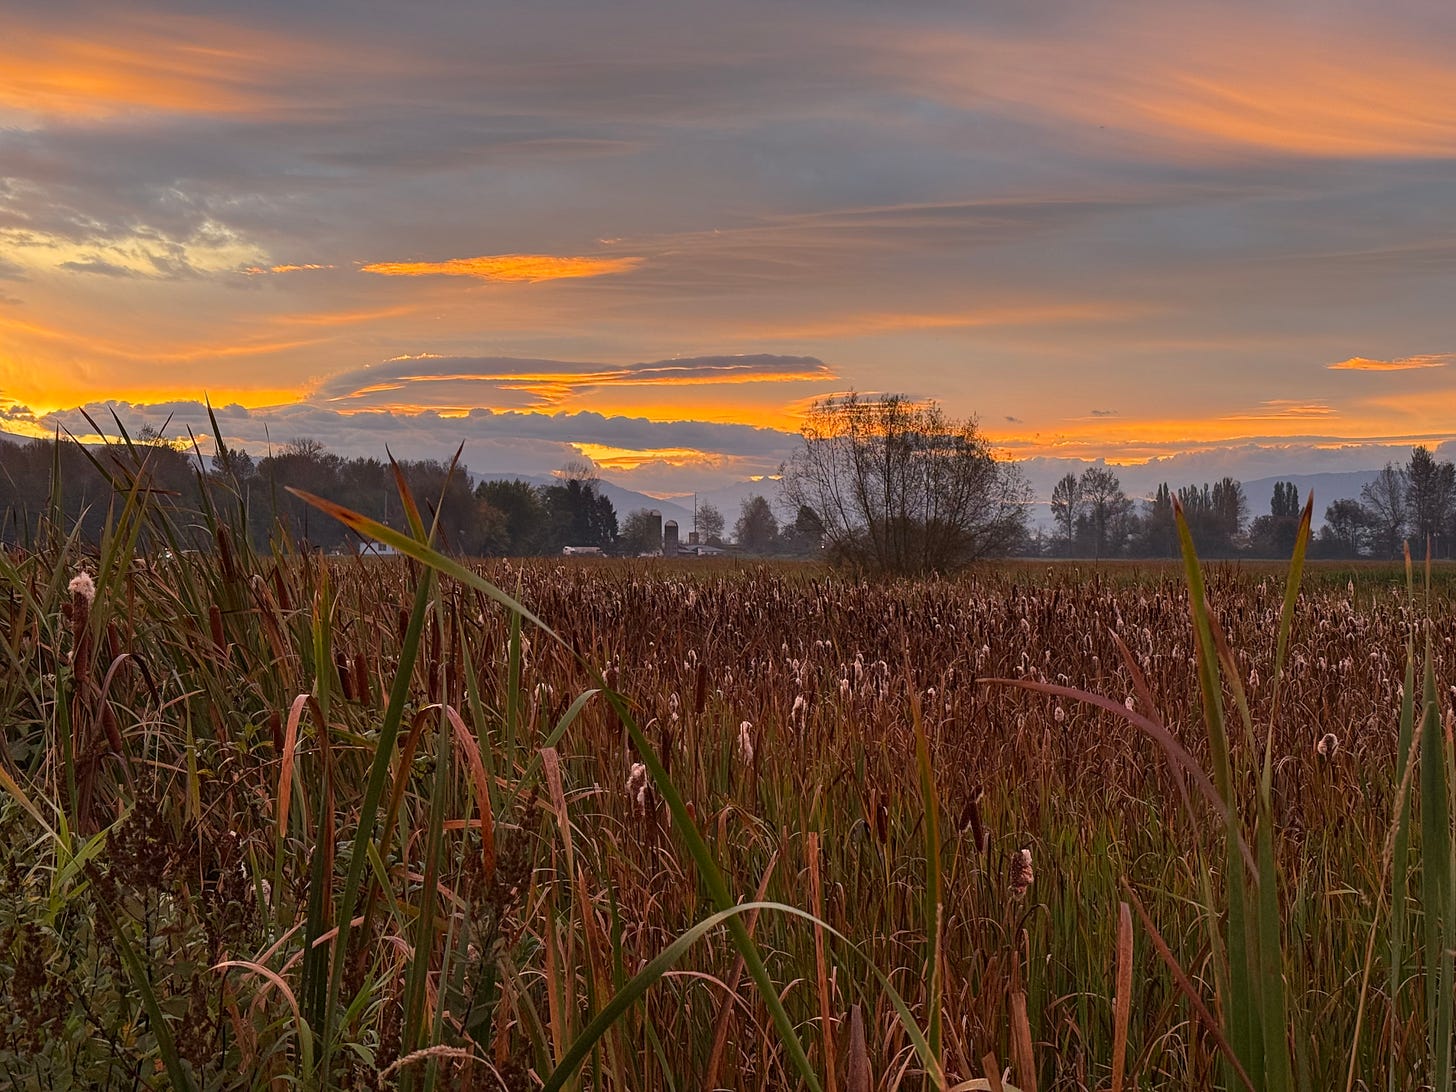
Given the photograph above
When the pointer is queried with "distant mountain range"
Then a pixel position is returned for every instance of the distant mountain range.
(1327, 488)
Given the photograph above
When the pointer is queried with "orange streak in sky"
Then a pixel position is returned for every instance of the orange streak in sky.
(864, 324)
(1407, 363)
(529, 268)
(97, 347)
(628, 458)
(177, 69)
(1209, 79)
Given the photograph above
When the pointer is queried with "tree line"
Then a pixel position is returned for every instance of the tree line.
(1411, 502)
(74, 488)
(46, 482)
(881, 484)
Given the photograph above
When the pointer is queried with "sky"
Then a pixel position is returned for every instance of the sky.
(652, 233)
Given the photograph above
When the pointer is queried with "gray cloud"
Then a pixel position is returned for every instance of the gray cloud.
(450, 382)
(98, 265)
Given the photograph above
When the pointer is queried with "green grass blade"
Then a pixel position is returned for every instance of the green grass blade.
(426, 924)
(1274, 1007)
(1436, 874)
(1241, 1007)
(422, 552)
(1400, 846)
(653, 972)
(933, 897)
(177, 1075)
(712, 878)
(373, 793)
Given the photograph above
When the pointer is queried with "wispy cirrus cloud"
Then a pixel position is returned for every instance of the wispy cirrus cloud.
(530, 268)
(1399, 364)
(177, 67)
(871, 323)
(1204, 81)
(1283, 409)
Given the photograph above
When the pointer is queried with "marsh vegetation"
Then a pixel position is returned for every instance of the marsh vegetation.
(280, 818)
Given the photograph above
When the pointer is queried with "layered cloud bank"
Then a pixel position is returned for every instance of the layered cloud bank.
(654, 456)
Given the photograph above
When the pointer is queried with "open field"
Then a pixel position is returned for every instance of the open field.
(218, 760)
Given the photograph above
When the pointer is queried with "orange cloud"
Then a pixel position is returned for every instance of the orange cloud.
(628, 458)
(769, 411)
(258, 270)
(1400, 364)
(530, 268)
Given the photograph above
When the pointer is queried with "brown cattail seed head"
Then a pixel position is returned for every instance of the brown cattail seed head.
(1328, 744)
(78, 613)
(1022, 875)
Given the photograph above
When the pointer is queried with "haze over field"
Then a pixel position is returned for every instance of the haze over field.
(650, 234)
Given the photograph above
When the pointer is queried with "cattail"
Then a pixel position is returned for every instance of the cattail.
(1328, 744)
(82, 587)
(78, 612)
(1059, 714)
(1022, 875)
(745, 743)
(637, 789)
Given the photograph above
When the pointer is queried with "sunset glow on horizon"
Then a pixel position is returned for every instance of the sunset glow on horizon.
(652, 238)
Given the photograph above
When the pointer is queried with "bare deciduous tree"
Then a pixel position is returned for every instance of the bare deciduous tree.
(1384, 500)
(710, 523)
(1106, 506)
(1067, 507)
(900, 487)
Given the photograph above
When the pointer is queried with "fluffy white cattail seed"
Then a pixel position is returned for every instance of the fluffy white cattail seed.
(83, 587)
(745, 743)
(637, 788)
(1022, 875)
